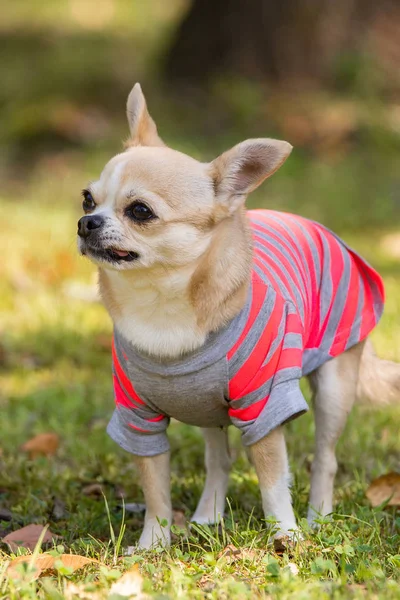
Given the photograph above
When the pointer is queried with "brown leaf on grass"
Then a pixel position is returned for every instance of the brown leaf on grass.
(45, 562)
(229, 551)
(129, 585)
(232, 554)
(94, 490)
(27, 537)
(385, 487)
(284, 544)
(206, 583)
(44, 444)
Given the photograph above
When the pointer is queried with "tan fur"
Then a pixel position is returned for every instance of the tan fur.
(211, 506)
(109, 298)
(334, 385)
(379, 380)
(154, 475)
(270, 460)
(218, 288)
(267, 457)
(142, 127)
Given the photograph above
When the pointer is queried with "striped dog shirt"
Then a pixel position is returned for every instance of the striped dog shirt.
(311, 298)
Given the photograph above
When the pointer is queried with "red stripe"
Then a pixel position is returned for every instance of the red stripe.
(249, 413)
(290, 357)
(293, 324)
(293, 251)
(281, 359)
(336, 272)
(368, 308)
(370, 277)
(138, 428)
(295, 274)
(120, 396)
(297, 239)
(267, 264)
(259, 291)
(350, 309)
(123, 378)
(313, 321)
(250, 368)
(297, 234)
(156, 419)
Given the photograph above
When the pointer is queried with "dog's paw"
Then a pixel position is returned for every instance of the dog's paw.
(206, 519)
(154, 535)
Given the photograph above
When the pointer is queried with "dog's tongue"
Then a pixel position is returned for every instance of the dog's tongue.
(121, 253)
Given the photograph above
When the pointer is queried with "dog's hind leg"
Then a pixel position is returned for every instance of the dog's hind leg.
(218, 463)
(335, 388)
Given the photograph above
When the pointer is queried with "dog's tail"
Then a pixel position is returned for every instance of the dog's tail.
(379, 380)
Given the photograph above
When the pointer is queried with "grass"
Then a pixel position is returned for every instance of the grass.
(55, 337)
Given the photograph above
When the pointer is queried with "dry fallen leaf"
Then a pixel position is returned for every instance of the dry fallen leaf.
(283, 544)
(385, 487)
(44, 562)
(44, 444)
(229, 551)
(27, 537)
(286, 544)
(129, 585)
(232, 554)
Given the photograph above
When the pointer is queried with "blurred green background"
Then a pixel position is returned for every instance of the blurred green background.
(318, 74)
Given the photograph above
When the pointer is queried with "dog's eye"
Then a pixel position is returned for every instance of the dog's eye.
(88, 203)
(139, 211)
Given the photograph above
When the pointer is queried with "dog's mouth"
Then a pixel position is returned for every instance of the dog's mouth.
(111, 254)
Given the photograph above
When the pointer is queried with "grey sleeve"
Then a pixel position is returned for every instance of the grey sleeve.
(143, 435)
(286, 402)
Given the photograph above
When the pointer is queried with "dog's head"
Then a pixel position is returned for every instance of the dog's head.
(155, 206)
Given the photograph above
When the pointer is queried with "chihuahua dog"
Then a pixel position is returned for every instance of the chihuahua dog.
(219, 312)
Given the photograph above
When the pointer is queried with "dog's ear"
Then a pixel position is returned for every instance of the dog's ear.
(240, 170)
(142, 127)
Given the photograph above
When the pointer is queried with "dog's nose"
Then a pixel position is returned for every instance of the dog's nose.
(88, 223)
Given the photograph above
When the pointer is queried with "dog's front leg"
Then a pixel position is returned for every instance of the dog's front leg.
(211, 506)
(269, 457)
(154, 473)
